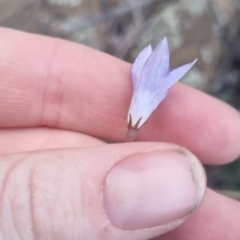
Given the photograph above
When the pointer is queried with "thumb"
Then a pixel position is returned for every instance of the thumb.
(122, 191)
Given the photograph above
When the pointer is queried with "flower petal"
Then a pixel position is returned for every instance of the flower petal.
(143, 103)
(141, 107)
(176, 74)
(156, 67)
(151, 81)
(138, 65)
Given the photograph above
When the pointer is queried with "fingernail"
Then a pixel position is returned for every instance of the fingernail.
(153, 189)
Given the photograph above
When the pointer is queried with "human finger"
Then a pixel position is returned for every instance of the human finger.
(34, 139)
(54, 83)
(217, 218)
(123, 191)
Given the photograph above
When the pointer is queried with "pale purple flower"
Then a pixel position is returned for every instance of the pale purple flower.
(151, 79)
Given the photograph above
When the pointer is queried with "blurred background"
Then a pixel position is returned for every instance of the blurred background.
(205, 29)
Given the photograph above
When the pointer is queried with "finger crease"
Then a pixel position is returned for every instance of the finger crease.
(52, 91)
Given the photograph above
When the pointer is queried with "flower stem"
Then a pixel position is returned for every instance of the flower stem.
(131, 134)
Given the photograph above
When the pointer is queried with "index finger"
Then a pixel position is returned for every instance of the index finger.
(54, 83)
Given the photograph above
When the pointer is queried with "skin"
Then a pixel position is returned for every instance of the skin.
(60, 95)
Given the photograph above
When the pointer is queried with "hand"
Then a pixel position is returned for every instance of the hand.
(58, 182)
